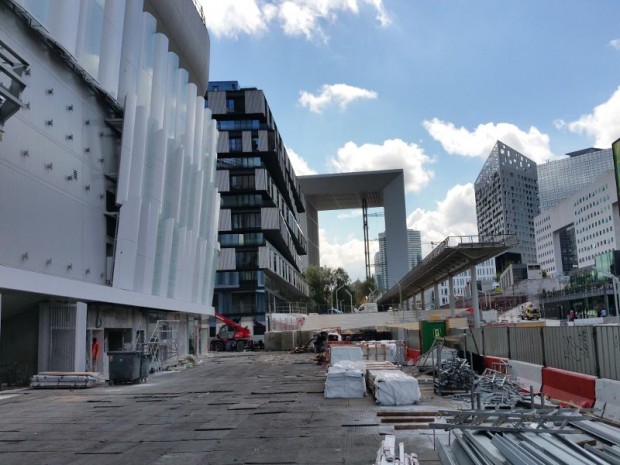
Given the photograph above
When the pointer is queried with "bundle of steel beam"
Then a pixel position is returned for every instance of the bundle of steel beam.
(532, 437)
(497, 390)
(454, 374)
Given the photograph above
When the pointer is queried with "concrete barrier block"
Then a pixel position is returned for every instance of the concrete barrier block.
(608, 399)
(273, 341)
(527, 374)
(570, 387)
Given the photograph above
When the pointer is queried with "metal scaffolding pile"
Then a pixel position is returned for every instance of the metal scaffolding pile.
(454, 374)
(527, 437)
(497, 390)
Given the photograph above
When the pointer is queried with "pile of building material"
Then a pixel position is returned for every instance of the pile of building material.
(393, 387)
(385, 351)
(345, 375)
(497, 390)
(536, 437)
(345, 380)
(454, 375)
(386, 455)
(66, 379)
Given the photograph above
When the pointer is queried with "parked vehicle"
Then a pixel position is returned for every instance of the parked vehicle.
(529, 311)
(231, 336)
(367, 308)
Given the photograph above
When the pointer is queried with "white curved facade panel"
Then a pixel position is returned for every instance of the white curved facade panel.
(169, 208)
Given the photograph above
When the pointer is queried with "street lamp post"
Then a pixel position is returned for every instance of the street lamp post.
(351, 297)
(335, 295)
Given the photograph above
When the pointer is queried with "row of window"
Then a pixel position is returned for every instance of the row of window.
(240, 240)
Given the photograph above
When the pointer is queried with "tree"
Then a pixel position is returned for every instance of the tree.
(323, 281)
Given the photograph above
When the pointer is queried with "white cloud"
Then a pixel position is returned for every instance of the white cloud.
(455, 215)
(479, 142)
(229, 18)
(340, 94)
(299, 164)
(303, 18)
(349, 255)
(603, 124)
(392, 154)
(615, 43)
(349, 214)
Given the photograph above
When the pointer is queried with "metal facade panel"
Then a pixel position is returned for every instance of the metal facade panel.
(264, 258)
(254, 102)
(222, 142)
(260, 179)
(608, 347)
(269, 218)
(222, 180)
(246, 141)
(571, 348)
(217, 102)
(496, 341)
(226, 260)
(526, 345)
(263, 138)
(225, 220)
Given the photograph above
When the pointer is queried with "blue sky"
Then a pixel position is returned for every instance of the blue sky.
(423, 85)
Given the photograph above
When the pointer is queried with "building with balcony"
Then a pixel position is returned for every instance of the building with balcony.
(507, 202)
(107, 180)
(259, 268)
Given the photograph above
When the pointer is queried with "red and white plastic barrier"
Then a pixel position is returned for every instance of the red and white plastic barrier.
(570, 387)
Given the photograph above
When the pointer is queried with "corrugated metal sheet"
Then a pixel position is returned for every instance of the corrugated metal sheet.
(246, 141)
(254, 101)
(264, 258)
(222, 180)
(526, 345)
(217, 102)
(269, 218)
(263, 137)
(495, 341)
(571, 348)
(225, 221)
(608, 348)
(473, 341)
(260, 179)
(222, 142)
(61, 337)
(226, 260)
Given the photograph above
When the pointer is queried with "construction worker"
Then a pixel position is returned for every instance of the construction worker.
(94, 353)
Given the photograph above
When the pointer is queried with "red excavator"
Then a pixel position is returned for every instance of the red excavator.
(231, 336)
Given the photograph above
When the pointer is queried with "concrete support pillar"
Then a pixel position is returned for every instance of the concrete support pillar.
(204, 334)
(473, 286)
(423, 302)
(437, 302)
(1, 317)
(81, 310)
(451, 296)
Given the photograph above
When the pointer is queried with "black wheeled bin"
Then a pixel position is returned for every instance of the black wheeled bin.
(145, 366)
(125, 367)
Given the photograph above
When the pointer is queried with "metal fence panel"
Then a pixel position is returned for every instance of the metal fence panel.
(412, 338)
(526, 345)
(608, 349)
(496, 341)
(570, 348)
(473, 341)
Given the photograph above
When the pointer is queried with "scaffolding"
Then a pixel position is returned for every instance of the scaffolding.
(163, 346)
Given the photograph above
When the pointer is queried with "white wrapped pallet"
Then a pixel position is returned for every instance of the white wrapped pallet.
(345, 381)
(350, 353)
(393, 387)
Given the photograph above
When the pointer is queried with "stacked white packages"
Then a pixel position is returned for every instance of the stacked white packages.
(393, 387)
(345, 380)
(349, 353)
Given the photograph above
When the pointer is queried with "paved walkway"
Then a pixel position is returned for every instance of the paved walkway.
(242, 408)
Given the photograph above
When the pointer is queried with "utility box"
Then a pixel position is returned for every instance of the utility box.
(429, 331)
(126, 367)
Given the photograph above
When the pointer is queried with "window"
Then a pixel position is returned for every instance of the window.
(246, 220)
(242, 181)
(230, 105)
(246, 259)
(234, 144)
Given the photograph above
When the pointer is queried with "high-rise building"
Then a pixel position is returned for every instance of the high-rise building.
(259, 267)
(507, 202)
(107, 192)
(414, 256)
(582, 227)
(559, 179)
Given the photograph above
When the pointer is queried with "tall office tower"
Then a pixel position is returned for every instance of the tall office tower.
(559, 179)
(414, 257)
(507, 202)
(107, 180)
(259, 268)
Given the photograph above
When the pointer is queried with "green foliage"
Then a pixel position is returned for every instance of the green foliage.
(323, 281)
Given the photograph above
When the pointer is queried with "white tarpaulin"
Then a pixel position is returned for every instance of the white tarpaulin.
(345, 380)
(339, 354)
(393, 387)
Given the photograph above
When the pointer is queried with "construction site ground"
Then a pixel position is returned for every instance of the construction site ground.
(231, 408)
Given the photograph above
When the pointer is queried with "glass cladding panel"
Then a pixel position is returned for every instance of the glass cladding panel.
(171, 94)
(182, 103)
(94, 28)
(37, 8)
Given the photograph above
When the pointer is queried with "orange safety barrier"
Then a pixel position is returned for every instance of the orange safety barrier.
(575, 389)
(496, 363)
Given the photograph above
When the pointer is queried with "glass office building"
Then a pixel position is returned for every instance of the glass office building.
(580, 167)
